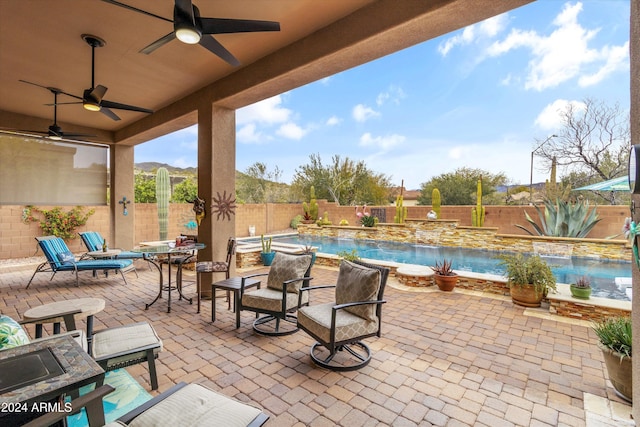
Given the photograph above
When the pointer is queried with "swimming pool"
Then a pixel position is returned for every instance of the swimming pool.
(566, 270)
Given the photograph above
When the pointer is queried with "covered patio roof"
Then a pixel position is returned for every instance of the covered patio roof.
(42, 43)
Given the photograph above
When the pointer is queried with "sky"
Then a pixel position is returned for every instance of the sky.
(482, 97)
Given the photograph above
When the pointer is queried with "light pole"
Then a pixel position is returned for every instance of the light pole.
(531, 170)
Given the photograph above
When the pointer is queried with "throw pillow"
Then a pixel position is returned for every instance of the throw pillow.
(358, 283)
(11, 333)
(66, 256)
(288, 267)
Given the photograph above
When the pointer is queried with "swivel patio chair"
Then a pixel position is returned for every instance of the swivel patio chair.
(60, 258)
(184, 404)
(281, 297)
(216, 267)
(355, 315)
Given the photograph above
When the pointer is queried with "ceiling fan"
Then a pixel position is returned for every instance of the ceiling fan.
(92, 98)
(189, 27)
(54, 132)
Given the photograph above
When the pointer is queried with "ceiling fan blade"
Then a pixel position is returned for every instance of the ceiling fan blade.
(225, 26)
(39, 132)
(64, 103)
(107, 112)
(213, 46)
(158, 43)
(135, 9)
(98, 92)
(118, 106)
(75, 135)
(52, 89)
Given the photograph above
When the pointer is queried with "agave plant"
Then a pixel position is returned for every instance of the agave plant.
(563, 219)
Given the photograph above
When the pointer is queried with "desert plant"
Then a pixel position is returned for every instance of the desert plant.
(311, 208)
(477, 213)
(295, 221)
(530, 270)
(266, 244)
(401, 211)
(582, 282)
(368, 220)
(615, 334)
(344, 222)
(435, 201)
(56, 222)
(324, 220)
(163, 194)
(444, 268)
(563, 219)
(349, 256)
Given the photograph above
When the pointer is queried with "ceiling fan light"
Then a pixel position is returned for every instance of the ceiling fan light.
(188, 35)
(91, 106)
(55, 137)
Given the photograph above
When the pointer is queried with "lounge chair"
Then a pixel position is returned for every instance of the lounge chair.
(60, 258)
(182, 405)
(93, 241)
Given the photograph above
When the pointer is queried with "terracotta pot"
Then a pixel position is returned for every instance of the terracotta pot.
(446, 283)
(619, 371)
(525, 295)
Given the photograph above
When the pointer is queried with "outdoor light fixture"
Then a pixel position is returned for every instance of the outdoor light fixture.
(634, 170)
(188, 35)
(184, 25)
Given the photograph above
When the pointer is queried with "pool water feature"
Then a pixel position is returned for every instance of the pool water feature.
(602, 273)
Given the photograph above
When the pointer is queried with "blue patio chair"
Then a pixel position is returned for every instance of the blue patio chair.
(60, 258)
(93, 242)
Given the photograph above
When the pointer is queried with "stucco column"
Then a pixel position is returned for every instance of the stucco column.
(216, 180)
(634, 40)
(122, 226)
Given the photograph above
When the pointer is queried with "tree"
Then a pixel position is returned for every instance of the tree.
(594, 140)
(259, 185)
(344, 181)
(459, 187)
(185, 191)
(144, 188)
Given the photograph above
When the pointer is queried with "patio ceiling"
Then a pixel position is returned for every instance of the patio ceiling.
(40, 41)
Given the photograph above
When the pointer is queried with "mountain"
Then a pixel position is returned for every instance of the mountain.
(153, 166)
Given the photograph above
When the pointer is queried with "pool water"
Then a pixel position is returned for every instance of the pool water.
(566, 270)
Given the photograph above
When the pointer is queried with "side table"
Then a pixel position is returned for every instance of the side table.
(232, 284)
(87, 306)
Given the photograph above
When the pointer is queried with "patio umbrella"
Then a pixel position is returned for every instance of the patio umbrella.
(616, 184)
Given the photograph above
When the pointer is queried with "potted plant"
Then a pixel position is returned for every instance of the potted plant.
(267, 254)
(581, 289)
(615, 337)
(530, 278)
(445, 277)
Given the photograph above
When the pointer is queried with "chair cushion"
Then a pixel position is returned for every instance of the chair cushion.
(317, 320)
(11, 333)
(288, 267)
(124, 339)
(358, 283)
(271, 299)
(195, 405)
(65, 257)
(211, 266)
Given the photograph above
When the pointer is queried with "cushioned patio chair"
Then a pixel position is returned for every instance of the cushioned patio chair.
(112, 348)
(355, 315)
(184, 404)
(281, 297)
(216, 267)
(60, 258)
(93, 242)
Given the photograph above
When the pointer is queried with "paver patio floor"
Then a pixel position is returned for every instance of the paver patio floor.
(444, 359)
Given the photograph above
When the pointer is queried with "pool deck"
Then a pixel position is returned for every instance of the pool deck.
(444, 359)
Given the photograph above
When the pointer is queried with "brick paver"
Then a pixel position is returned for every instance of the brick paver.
(445, 358)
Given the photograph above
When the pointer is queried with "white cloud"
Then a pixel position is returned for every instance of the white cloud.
(550, 118)
(564, 54)
(269, 111)
(393, 94)
(488, 28)
(291, 130)
(248, 134)
(326, 81)
(383, 142)
(333, 121)
(362, 113)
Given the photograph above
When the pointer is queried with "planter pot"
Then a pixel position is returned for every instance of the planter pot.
(619, 371)
(267, 257)
(525, 295)
(446, 283)
(580, 293)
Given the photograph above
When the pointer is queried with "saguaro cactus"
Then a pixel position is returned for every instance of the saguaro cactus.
(435, 201)
(401, 210)
(311, 208)
(163, 194)
(477, 213)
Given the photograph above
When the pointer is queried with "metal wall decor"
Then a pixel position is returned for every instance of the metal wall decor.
(224, 205)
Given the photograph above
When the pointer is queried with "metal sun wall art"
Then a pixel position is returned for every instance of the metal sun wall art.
(224, 205)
